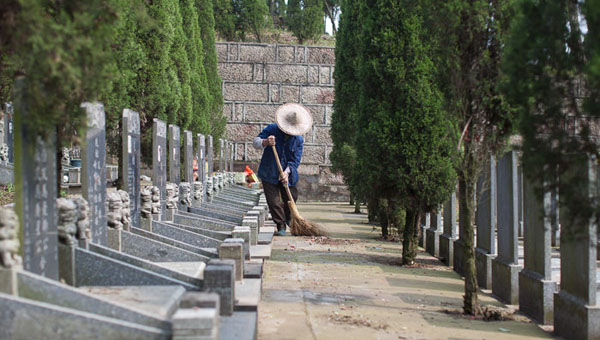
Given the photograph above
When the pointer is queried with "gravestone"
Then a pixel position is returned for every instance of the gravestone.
(9, 133)
(131, 163)
(221, 154)
(232, 157)
(174, 154)
(209, 156)
(433, 233)
(576, 310)
(425, 222)
(520, 197)
(202, 164)
(555, 217)
(188, 156)
(93, 171)
(226, 156)
(36, 201)
(536, 288)
(450, 231)
(485, 219)
(159, 161)
(505, 266)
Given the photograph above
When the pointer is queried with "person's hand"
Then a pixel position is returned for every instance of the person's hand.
(283, 178)
(270, 141)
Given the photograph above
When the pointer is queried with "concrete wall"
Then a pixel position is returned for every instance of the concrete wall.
(257, 79)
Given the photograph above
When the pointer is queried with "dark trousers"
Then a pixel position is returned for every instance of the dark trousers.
(277, 199)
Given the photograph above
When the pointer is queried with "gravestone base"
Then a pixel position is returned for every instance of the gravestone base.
(483, 263)
(114, 239)
(8, 280)
(83, 243)
(536, 296)
(423, 237)
(506, 281)
(169, 215)
(573, 319)
(219, 277)
(432, 246)
(66, 264)
(146, 223)
(447, 249)
(459, 256)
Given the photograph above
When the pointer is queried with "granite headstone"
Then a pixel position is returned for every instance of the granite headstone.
(174, 154)
(188, 156)
(159, 161)
(131, 163)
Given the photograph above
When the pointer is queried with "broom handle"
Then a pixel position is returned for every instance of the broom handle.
(291, 199)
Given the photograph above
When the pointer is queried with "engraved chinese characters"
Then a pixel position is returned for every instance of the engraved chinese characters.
(93, 171)
(131, 162)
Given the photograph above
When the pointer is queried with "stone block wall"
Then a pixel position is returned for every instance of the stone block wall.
(257, 79)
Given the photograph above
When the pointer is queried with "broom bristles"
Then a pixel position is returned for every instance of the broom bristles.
(302, 227)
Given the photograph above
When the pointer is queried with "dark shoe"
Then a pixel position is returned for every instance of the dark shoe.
(280, 233)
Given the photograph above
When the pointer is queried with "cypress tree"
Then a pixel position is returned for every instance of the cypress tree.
(254, 17)
(214, 111)
(469, 37)
(226, 25)
(305, 19)
(402, 136)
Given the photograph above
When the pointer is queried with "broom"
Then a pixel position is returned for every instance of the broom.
(299, 226)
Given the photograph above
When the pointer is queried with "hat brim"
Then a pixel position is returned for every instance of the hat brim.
(293, 119)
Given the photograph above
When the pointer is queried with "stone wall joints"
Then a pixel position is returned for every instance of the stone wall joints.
(246, 82)
(255, 44)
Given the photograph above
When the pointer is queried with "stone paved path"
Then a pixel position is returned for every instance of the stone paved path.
(352, 287)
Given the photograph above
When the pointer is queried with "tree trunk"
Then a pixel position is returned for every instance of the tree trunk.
(356, 206)
(352, 199)
(411, 237)
(373, 209)
(466, 186)
(384, 220)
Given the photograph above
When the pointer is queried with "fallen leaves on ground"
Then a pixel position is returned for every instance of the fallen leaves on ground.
(350, 320)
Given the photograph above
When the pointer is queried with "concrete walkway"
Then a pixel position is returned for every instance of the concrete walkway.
(352, 287)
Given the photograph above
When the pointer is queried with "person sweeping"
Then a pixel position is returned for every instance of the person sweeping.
(282, 145)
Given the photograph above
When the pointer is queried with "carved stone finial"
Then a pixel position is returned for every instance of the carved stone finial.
(172, 196)
(185, 194)
(114, 213)
(66, 157)
(83, 221)
(198, 192)
(146, 197)
(125, 209)
(9, 239)
(67, 220)
(209, 186)
(155, 199)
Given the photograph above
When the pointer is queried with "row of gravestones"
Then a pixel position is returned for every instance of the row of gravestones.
(506, 206)
(112, 248)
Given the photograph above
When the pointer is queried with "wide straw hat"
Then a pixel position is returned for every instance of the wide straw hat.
(293, 119)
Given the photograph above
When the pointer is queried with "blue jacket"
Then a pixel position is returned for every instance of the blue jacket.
(290, 153)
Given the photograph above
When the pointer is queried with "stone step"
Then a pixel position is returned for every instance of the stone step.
(192, 269)
(161, 301)
(260, 251)
(239, 326)
(247, 294)
(253, 269)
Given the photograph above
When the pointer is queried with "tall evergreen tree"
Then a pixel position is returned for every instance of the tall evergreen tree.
(305, 19)
(402, 139)
(226, 25)
(254, 18)
(213, 80)
(469, 39)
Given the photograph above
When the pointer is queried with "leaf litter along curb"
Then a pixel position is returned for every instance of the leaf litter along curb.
(350, 320)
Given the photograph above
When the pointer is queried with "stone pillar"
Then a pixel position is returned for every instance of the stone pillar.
(232, 156)
(243, 232)
(536, 288)
(233, 249)
(253, 224)
(174, 154)
(450, 231)
(159, 161)
(35, 174)
(425, 222)
(486, 221)
(188, 156)
(93, 170)
(219, 277)
(576, 310)
(520, 197)
(210, 155)
(9, 131)
(505, 267)
(130, 173)
(202, 164)
(433, 233)
(555, 217)
(221, 154)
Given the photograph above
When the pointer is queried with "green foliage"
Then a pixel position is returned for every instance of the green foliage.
(305, 19)
(63, 50)
(213, 80)
(254, 17)
(550, 65)
(277, 9)
(226, 25)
